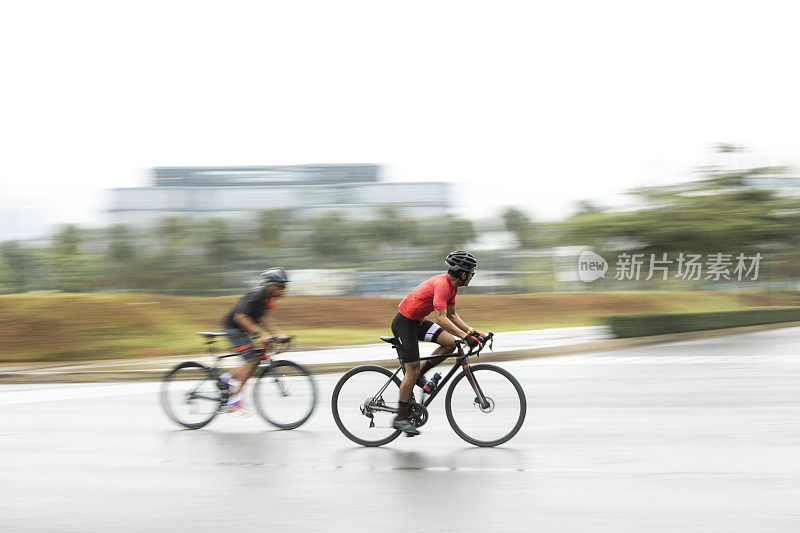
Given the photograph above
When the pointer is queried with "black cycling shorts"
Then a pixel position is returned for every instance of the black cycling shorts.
(410, 332)
(242, 343)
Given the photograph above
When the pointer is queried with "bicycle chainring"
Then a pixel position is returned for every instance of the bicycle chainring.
(417, 414)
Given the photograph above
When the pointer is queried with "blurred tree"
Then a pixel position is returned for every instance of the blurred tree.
(172, 231)
(727, 148)
(447, 233)
(71, 268)
(74, 273)
(520, 225)
(20, 265)
(121, 255)
(390, 228)
(68, 240)
(270, 224)
(333, 237)
(587, 207)
(724, 211)
(461, 231)
(218, 241)
(120, 246)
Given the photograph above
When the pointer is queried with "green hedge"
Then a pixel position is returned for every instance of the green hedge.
(643, 325)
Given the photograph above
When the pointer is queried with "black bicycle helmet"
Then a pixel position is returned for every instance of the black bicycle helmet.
(461, 261)
(274, 275)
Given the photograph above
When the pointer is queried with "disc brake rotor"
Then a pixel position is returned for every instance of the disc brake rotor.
(488, 408)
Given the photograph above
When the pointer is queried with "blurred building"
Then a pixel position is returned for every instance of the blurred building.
(307, 190)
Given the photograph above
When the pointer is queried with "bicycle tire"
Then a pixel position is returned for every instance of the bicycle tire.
(210, 398)
(348, 376)
(304, 388)
(523, 405)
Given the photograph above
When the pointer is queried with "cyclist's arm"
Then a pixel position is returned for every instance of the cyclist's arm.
(443, 320)
(248, 324)
(267, 323)
(455, 319)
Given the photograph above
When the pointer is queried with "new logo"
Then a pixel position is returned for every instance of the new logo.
(591, 266)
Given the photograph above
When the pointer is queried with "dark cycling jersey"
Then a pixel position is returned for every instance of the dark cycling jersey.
(435, 293)
(253, 304)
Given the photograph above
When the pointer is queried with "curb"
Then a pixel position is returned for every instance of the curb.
(324, 368)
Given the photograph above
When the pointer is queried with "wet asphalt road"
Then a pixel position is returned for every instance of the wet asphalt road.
(694, 436)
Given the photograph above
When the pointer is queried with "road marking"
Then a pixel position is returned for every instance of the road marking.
(599, 359)
(24, 394)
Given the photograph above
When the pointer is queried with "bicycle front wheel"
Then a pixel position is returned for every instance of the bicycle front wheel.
(190, 395)
(362, 410)
(285, 394)
(494, 420)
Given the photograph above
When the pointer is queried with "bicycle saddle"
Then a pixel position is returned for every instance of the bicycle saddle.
(394, 341)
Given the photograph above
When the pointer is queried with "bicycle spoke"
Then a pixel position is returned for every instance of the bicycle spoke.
(190, 396)
(492, 419)
(285, 394)
(362, 413)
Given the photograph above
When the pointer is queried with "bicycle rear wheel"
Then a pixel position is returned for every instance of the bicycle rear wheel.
(285, 394)
(360, 412)
(493, 422)
(190, 395)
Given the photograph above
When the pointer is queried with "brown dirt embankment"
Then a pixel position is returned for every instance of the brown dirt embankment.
(49, 327)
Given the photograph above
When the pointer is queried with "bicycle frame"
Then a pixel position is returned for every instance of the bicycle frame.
(461, 361)
(265, 356)
(283, 346)
(192, 393)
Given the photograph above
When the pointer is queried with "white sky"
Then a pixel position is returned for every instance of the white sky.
(531, 104)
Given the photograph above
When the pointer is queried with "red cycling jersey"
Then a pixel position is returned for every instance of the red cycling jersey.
(435, 293)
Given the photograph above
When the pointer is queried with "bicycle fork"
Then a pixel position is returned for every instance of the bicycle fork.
(480, 398)
(280, 382)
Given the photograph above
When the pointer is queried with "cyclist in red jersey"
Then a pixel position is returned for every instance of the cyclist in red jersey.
(410, 326)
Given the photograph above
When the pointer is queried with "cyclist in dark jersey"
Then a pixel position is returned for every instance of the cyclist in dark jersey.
(246, 319)
(410, 326)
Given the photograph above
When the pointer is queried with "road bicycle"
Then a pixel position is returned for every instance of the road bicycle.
(283, 392)
(485, 404)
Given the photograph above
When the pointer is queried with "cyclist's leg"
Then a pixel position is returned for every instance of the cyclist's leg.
(407, 386)
(405, 330)
(245, 371)
(447, 345)
(243, 345)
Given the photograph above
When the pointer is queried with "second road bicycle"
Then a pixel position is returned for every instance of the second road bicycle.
(283, 392)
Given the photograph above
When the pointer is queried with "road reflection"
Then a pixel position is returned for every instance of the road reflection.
(470, 458)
